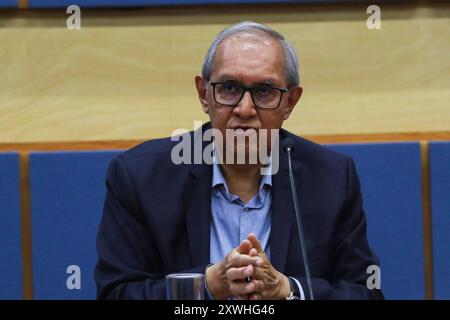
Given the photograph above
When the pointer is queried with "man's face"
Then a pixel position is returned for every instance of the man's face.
(251, 61)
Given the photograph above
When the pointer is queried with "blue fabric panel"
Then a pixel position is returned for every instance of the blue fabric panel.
(134, 3)
(67, 191)
(11, 282)
(440, 215)
(8, 4)
(390, 175)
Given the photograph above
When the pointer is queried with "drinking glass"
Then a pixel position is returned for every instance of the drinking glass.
(185, 286)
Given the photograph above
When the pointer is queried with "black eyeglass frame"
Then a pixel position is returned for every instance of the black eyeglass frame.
(249, 89)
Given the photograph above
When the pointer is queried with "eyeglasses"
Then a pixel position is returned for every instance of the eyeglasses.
(231, 93)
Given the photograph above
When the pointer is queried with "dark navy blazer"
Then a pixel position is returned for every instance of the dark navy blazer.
(156, 221)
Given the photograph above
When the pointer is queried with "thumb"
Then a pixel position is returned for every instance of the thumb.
(255, 242)
(244, 247)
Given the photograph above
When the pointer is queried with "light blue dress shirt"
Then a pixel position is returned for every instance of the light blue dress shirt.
(232, 219)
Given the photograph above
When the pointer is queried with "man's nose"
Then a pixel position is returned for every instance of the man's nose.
(246, 108)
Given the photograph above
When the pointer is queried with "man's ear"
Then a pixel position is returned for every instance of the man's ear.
(201, 90)
(294, 95)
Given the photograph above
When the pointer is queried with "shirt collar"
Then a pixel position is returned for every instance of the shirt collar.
(218, 178)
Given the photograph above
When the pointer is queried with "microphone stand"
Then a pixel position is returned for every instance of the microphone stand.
(289, 148)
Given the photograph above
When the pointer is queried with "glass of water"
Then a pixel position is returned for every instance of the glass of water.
(185, 286)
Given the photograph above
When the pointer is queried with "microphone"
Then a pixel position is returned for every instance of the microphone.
(288, 146)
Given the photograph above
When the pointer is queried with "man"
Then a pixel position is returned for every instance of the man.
(225, 219)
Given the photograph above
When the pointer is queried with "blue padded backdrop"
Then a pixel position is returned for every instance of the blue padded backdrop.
(11, 280)
(440, 215)
(8, 4)
(390, 175)
(67, 191)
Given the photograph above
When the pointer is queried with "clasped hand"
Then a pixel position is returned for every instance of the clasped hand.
(246, 273)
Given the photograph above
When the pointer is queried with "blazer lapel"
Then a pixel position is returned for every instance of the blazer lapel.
(197, 203)
(283, 212)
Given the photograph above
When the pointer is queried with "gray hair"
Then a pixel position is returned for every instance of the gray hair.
(290, 57)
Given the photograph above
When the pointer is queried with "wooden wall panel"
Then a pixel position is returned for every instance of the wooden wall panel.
(129, 74)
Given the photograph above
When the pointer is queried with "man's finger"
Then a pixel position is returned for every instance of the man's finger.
(241, 273)
(255, 242)
(254, 296)
(244, 247)
(259, 285)
(239, 288)
(253, 252)
(241, 260)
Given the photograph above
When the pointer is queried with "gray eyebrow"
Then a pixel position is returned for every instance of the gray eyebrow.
(268, 81)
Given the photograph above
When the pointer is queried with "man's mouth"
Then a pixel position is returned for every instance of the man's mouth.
(243, 128)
